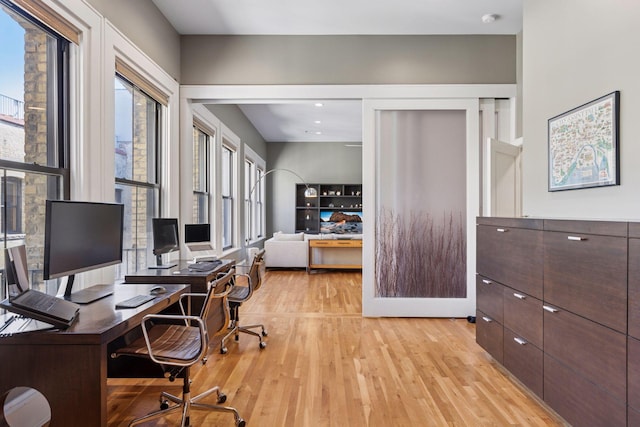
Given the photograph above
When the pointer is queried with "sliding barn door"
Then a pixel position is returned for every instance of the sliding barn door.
(422, 160)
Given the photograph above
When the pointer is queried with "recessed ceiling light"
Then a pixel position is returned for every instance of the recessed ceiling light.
(489, 18)
(319, 104)
(317, 122)
(318, 133)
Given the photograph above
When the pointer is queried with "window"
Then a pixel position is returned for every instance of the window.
(253, 195)
(137, 124)
(259, 206)
(201, 174)
(228, 184)
(249, 181)
(33, 130)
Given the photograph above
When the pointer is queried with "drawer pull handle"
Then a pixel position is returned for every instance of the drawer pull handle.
(502, 230)
(486, 282)
(550, 309)
(520, 341)
(576, 238)
(519, 296)
(487, 319)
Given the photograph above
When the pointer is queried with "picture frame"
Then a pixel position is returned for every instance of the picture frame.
(583, 145)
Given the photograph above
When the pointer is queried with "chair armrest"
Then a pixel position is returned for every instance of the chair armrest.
(227, 288)
(204, 342)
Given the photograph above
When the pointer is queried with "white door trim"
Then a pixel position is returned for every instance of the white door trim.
(418, 307)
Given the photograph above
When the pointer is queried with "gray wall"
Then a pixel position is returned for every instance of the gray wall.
(235, 120)
(142, 23)
(348, 59)
(315, 162)
(573, 52)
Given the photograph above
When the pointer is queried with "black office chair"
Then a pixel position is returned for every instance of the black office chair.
(178, 346)
(240, 294)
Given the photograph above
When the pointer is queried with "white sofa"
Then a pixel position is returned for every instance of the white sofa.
(286, 250)
(292, 250)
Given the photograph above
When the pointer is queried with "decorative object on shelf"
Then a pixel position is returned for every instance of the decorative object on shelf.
(583, 145)
(332, 199)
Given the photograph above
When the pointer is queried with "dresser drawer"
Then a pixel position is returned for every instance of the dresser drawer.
(489, 335)
(578, 401)
(634, 287)
(523, 360)
(634, 418)
(511, 256)
(587, 275)
(633, 374)
(489, 297)
(523, 315)
(590, 349)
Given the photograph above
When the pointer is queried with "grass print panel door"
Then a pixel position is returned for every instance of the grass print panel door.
(421, 207)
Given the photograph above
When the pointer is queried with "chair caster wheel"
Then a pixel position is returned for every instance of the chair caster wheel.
(222, 398)
(223, 350)
(240, 423)
(263, 345)
(164, 405)
(264, 333)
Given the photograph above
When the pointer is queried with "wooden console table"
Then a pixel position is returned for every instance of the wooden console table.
(342, 244)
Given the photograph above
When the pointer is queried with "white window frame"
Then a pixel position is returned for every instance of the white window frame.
(254, 208)
(118, 47)
(231, 142)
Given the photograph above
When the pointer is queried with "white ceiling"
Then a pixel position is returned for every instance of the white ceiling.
(340, 120)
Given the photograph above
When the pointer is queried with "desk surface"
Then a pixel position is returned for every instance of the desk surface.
(180, 274)
(70, 367)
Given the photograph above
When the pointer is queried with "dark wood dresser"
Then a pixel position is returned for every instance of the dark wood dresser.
(558, 305)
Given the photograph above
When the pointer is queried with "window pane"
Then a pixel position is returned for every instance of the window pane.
(136, 117)
(226, 171)
(227, 223)
(200, 208)
(139, 207)
(24, 222)
(200, 149)
(32, 128)
(28, 91)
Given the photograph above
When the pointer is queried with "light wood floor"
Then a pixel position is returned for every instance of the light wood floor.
(326, 365)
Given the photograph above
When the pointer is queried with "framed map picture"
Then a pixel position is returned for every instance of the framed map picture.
(583, 145)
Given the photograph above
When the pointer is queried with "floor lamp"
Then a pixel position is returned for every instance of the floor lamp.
(308, 192)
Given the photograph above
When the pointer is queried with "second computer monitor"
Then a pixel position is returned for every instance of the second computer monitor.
(165, 239)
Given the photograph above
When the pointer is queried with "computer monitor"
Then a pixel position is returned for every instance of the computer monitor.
(165, 240)
(197, 237)
(81, 236)
(15, 269)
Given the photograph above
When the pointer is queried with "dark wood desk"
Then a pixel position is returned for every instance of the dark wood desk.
(70, 367)
(199, 281)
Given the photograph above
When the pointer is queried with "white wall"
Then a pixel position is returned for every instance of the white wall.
(573, 52)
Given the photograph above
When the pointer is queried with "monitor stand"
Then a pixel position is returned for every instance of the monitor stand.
(87, 295)
(159, 265)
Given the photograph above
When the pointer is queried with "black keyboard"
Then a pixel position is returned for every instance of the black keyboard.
(135, 301)
(203, 266)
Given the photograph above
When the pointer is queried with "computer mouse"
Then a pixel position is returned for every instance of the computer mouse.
(157, 290)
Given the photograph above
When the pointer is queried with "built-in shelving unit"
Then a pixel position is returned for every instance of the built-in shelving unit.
(332, 198)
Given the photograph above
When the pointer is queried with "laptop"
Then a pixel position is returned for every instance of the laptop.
(29, 302)
(197, 237)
